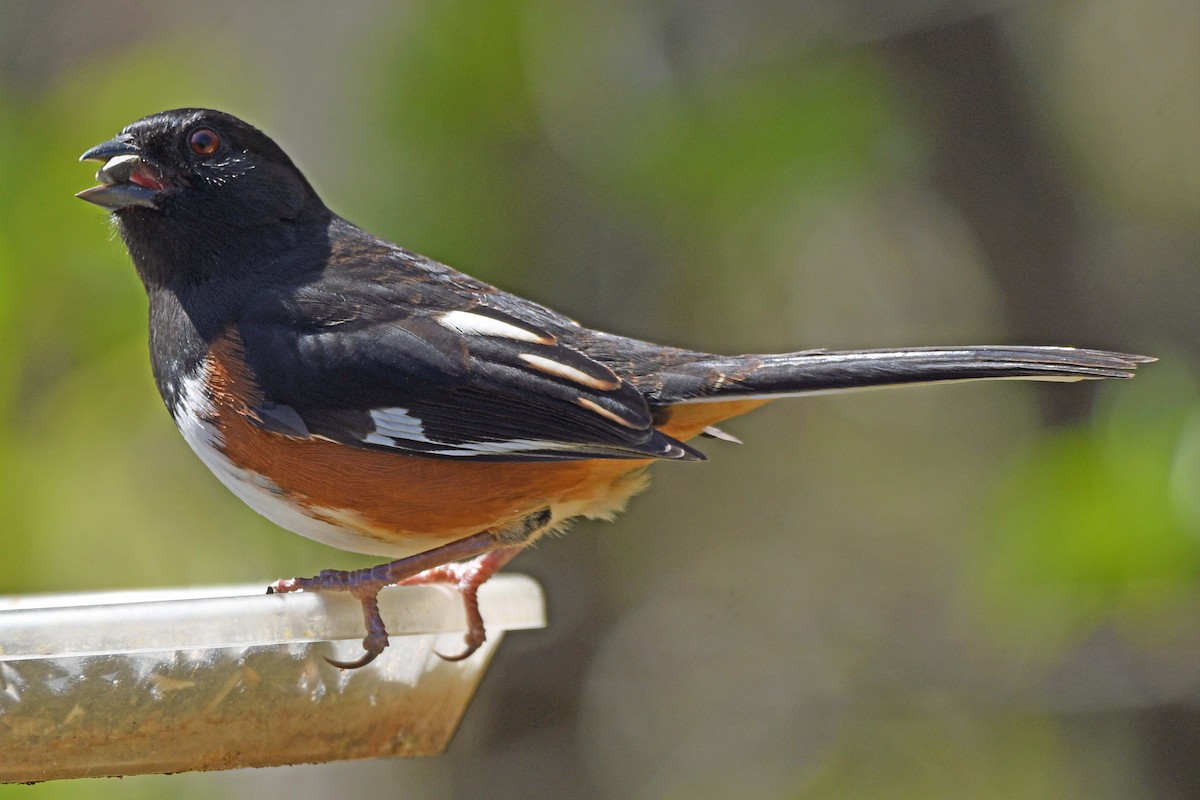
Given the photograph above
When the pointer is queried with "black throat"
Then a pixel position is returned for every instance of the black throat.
(199, 286)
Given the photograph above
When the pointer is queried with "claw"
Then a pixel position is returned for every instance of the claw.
(361, 661)
(432, 566)
(473, 644)
(467, 578)
(376, 640)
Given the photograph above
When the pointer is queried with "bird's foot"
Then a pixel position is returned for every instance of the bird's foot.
(467, 577)
(488, 551)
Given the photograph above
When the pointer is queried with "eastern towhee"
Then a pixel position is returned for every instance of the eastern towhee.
(375, 400)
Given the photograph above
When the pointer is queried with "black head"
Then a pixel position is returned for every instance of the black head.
(200, 184)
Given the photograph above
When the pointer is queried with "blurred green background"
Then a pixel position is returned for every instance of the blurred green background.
(990, 590)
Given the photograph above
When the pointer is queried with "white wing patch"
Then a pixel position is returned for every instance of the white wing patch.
(596, 408)
(394, 424)
(557, 368)
(470, 324)
(508, 446)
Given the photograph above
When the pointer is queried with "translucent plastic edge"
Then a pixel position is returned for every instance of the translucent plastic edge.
(53, 626)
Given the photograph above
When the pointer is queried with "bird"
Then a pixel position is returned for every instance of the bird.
(378, 401)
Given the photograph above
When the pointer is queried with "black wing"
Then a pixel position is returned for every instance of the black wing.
(435, 367)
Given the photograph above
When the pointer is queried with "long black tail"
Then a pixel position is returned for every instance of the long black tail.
(817, 371)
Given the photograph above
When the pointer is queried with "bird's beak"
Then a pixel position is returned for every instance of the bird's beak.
(125, 179)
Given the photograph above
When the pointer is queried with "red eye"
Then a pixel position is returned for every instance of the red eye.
(204, 141)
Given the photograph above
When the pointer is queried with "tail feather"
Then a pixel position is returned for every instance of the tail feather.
(720, 378)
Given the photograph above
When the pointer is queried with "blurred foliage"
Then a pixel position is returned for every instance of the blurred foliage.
(923, 754)
(897, 595)
(1099, 527)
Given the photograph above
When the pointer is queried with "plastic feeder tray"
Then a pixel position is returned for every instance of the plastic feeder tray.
(127, 683)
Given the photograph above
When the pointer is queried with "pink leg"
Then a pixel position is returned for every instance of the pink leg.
(467, 577)
(489, 551)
